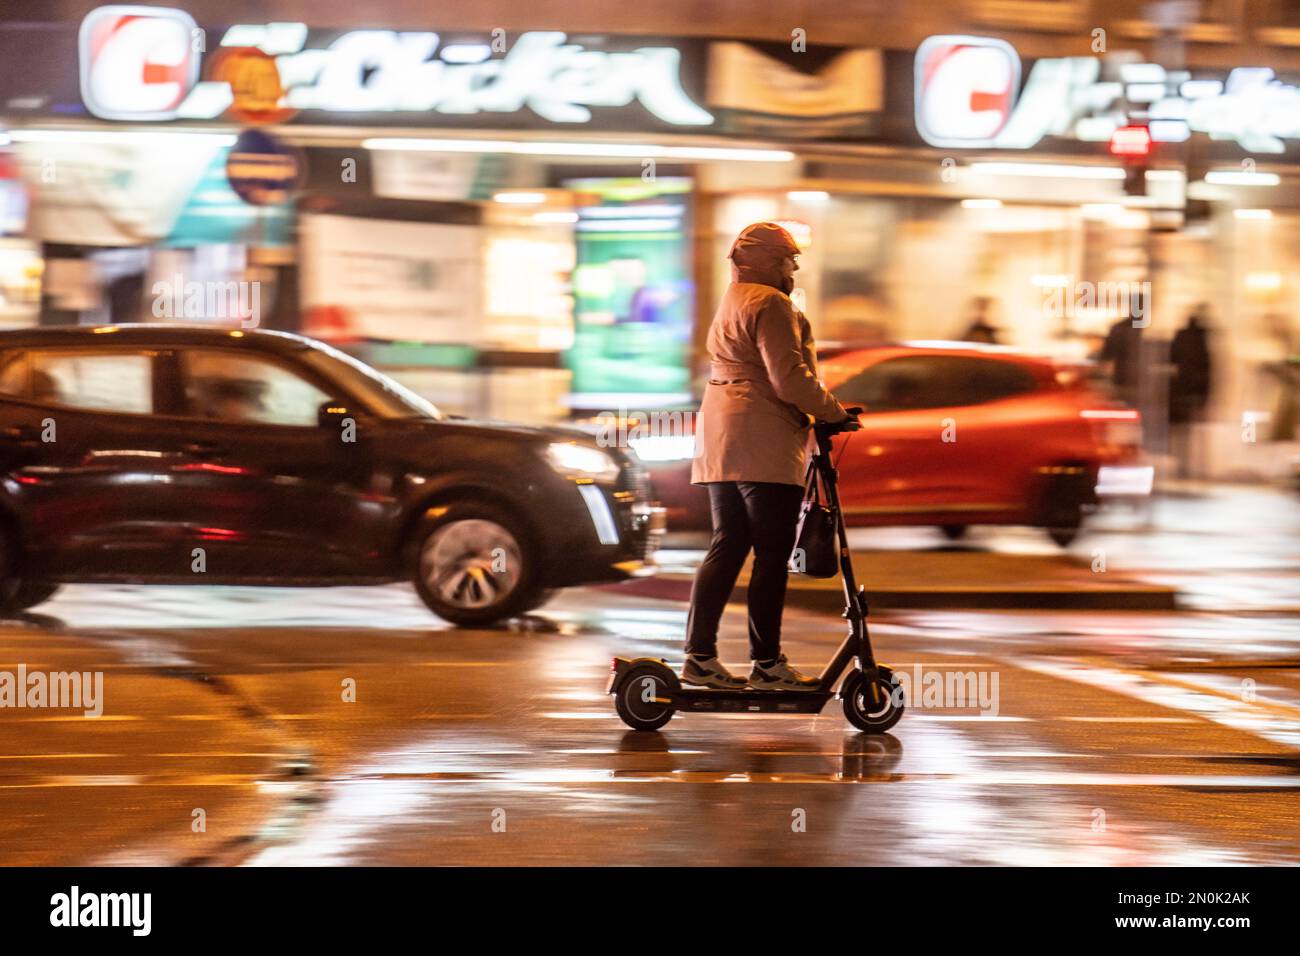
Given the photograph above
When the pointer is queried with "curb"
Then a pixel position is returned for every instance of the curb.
(1139, 597)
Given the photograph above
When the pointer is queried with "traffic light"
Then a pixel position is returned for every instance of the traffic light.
(1132, 144)
(1135, 179)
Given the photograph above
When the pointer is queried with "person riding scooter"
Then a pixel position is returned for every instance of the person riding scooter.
(751, 438)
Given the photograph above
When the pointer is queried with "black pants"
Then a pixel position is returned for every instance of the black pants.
(746, 514)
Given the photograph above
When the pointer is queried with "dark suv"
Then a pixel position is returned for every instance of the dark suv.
(169, 455)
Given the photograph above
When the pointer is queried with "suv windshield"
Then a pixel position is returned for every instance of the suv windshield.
(390, 399)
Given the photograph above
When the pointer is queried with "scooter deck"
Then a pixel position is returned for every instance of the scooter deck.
(750, 701)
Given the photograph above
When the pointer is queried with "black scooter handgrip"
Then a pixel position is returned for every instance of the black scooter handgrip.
(834, 428)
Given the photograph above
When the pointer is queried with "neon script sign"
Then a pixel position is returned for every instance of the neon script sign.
(141, 63)
(966, 97)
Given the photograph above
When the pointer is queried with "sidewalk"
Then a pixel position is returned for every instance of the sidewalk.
(939, 579)
(1206, 547)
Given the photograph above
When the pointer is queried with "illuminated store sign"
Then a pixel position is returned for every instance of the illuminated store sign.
(137, 64)
(965, 97)
(965, 88)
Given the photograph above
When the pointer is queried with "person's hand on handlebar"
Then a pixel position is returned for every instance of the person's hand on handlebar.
(849, 424)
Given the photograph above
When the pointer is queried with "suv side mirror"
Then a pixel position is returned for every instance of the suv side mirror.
(332, 414)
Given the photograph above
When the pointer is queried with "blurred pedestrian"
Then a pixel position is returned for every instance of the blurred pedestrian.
(981, 329)
(1121, 357)
(1190, 381)
(763, 394)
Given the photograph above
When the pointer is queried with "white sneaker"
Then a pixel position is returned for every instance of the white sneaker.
(780, 676)
(709, 672)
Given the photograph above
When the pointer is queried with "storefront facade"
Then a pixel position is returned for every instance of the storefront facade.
(532, 224)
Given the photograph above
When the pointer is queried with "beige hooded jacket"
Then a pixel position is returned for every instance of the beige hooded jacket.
(763, 385)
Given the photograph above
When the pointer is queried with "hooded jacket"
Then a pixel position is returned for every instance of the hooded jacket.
(763, 390)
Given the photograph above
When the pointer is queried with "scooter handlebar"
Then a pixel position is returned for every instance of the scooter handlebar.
(850, 424)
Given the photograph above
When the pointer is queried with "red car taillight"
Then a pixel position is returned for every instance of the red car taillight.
(1110, 414)
(1121, 427)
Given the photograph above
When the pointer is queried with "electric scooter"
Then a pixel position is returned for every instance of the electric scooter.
(647, 692)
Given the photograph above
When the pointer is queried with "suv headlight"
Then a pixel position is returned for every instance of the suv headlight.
(583, 461)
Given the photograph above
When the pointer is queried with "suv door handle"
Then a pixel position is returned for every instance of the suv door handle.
(203, 449)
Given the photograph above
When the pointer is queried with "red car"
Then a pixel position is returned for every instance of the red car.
(955, 435)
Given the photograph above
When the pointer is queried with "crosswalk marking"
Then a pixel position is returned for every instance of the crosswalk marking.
(1272, 721)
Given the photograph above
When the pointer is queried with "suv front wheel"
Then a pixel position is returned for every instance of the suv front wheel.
(27, 594)
(476, 566)
(18, 593)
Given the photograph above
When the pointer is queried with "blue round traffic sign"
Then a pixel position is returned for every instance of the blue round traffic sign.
(261, 169)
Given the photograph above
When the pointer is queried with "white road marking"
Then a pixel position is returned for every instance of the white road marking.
(1274, 722)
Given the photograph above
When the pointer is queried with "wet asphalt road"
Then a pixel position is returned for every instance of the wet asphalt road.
(1118, 739)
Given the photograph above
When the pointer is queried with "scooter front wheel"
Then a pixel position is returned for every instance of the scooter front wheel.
(872, 706)
(644, 697)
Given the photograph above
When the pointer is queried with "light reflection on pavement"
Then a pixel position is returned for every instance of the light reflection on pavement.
(1120, 739)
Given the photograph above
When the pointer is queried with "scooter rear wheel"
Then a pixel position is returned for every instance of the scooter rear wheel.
(642, 698)
(872, 712)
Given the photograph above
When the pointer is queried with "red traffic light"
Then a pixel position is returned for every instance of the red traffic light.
(1131, 141)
